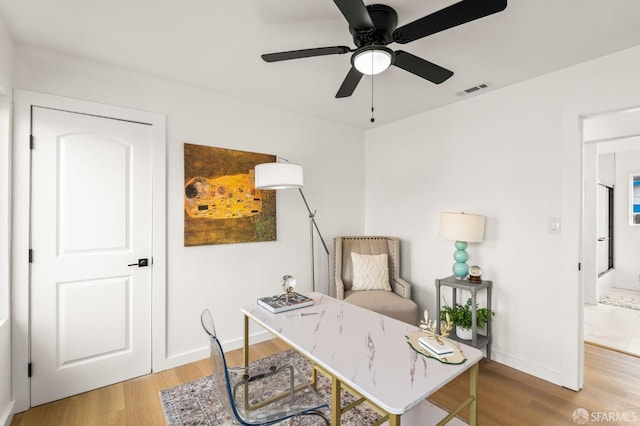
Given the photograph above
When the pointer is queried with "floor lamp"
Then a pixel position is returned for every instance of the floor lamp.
(276, 176)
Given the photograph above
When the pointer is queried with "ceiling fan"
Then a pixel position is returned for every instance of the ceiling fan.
(373, 27)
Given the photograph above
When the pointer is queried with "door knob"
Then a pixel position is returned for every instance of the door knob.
(141, 263)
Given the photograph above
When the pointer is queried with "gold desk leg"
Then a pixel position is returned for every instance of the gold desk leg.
(394, 420)
(245, 359)
(245, 349)
(314, 377)
(473, 393)
(336, 405)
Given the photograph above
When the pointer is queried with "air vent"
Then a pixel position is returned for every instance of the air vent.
(473, 89)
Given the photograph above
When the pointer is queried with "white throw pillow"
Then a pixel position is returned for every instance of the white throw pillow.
(370, 272)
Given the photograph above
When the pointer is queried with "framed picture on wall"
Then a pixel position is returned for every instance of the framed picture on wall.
(221, 203)
(634, 199)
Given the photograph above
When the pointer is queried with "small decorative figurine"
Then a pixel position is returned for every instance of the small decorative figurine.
(288, 284)
(475, 274)
(430, 327)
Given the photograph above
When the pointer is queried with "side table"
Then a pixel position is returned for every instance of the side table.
(477, 341)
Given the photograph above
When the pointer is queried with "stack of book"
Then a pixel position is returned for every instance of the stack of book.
(435, 347)
(282, 303)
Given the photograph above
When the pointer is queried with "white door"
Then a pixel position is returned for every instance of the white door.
(90, 221)
(602, 228)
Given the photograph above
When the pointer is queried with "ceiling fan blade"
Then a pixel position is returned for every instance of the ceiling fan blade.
(449, 17)
(422, 68)
(349, 84)
(305, 53)
(355, 13)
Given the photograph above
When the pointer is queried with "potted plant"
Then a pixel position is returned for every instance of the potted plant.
(460, 316)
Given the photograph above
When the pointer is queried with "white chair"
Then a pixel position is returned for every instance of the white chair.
(258, 396)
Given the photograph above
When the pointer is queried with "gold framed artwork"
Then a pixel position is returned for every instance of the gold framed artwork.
(221, 203)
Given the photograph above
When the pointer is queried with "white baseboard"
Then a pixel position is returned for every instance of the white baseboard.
(533, 369)
(198, 354)
(627, 286)
(7, 413)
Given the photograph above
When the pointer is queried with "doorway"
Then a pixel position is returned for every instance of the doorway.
(24, 317)
(610, 242)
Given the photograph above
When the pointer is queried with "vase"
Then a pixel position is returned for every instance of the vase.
(463, 333)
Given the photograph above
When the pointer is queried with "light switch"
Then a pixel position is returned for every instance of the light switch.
(554, 225)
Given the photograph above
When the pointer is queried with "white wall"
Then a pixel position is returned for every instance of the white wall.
(6, 68)
(607, 169)
(513, 155)
(223, 277)
(590, 165)
(6, 403)
(6, 60)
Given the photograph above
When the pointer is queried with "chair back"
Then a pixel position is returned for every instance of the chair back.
(219, 366)
(344, 246)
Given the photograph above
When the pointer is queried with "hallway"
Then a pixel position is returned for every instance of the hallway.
(613, 327)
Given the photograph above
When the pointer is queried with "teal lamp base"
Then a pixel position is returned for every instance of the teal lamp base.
(460, 268)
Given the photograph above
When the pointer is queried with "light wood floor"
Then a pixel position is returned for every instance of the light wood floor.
(506, 396)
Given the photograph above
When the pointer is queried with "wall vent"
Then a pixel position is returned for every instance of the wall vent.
(473, 89)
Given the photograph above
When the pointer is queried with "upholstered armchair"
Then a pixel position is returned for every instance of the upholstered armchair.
(367, 274)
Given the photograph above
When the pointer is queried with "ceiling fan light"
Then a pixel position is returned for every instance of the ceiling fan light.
(372, 60)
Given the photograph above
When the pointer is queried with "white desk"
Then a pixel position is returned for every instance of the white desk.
(366, 352)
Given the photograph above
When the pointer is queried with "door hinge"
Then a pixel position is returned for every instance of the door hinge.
(579, 266)
(30, 141)
(29, 370)
(30, 255)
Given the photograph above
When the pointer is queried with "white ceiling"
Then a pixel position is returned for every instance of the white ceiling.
(217, 45)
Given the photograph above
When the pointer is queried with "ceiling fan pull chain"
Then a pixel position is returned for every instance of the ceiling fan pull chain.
(372, 119)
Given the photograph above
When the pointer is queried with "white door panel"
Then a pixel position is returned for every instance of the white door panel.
(82, 200)
(90, 219)
(83, 307)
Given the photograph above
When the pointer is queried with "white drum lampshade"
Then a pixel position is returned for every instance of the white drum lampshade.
(278, 176)
(462, 227)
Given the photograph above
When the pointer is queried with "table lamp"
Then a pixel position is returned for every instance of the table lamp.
(280, 175)
(462, 228)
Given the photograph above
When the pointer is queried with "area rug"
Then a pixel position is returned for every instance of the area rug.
(196, 403)
(622, 298)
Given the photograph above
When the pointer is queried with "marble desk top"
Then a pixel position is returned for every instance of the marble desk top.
(363, 349)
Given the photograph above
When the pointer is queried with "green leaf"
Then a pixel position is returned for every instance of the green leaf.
(461, 315)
